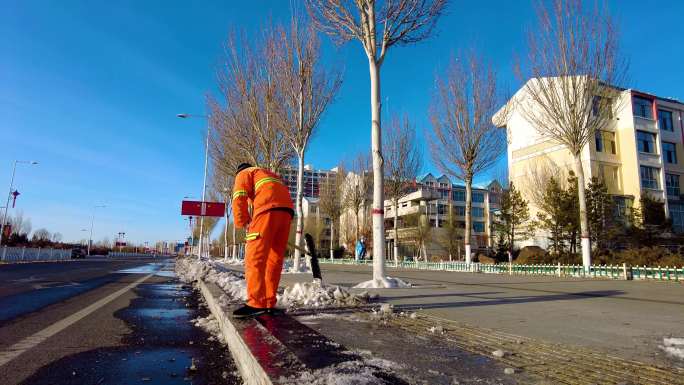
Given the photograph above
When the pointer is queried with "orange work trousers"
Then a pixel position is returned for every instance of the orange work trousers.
(266, 244)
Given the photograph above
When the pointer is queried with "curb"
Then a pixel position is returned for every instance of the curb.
(249, 367)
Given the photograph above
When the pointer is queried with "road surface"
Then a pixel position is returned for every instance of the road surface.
(104, 322)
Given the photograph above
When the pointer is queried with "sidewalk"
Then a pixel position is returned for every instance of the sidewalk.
(559, 330)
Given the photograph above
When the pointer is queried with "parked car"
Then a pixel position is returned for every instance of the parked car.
(77, 253)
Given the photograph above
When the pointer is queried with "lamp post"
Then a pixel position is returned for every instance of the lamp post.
(9, 195)
(204, 184)
(92, 223)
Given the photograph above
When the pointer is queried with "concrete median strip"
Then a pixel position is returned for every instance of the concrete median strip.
(32, 341)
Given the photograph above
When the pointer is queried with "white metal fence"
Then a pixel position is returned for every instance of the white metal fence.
(135, 255)
(33, 254)
(595, 271)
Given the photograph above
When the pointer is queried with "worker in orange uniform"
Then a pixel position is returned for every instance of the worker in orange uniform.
(268, 229)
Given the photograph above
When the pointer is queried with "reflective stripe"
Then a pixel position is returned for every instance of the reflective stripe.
(260, 182)
(251, 236)
(239, 193)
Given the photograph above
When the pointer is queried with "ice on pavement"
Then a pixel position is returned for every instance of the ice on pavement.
(674, 347)
(386, 283)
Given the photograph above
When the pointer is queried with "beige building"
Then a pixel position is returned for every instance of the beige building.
(431, 199)
(639, 152)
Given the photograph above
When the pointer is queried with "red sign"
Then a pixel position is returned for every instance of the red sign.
(203, 209)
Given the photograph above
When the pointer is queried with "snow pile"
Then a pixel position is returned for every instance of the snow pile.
(674, 347)
(385, 283)
(210, 325)
(371, 371)
(190, 270)
(316, 295)
(233, 262)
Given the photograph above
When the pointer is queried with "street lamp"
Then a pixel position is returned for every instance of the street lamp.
(9, 195)
(225, 229)
(204, 184)
(92, 222)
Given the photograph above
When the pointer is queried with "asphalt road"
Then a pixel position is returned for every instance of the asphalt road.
(628, 319)
(104, 322)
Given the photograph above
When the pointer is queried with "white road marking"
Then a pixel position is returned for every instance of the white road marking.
(30, 342)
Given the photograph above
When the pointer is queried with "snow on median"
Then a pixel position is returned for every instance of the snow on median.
(674, 347)
(308, 295)
(384, 283)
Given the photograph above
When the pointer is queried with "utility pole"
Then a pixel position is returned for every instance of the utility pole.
(225, 230)
(204, 184)
(9, 195)
(92, 223)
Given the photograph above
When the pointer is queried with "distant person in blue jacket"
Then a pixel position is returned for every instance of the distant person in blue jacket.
(360, 249)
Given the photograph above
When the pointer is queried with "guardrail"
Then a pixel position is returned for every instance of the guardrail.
(33, 254)
(595, 271)
(136, 255)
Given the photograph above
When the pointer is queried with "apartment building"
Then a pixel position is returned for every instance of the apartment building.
(312, 180)
(432, 198)
(638, 152)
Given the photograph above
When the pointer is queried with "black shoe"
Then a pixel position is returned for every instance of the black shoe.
(275, 311)
(248, 311)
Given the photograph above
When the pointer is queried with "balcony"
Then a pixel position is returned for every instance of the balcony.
(645, 124)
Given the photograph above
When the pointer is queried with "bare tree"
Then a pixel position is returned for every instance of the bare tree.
(466, 141)
(307, 88)
(330, 202)
(574, 67)
(402, 164)
(42, 235)
(247, 120)
(356, 188)
(378, 26)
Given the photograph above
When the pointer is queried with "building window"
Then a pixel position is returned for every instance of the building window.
(460, 211)
(672, 184)
(602, 105)
(677, 216)
(478, 197)
(479, 227)
(459, 195)
(642, 107)
(478, 212)
(444, 194)
(622, 207)
(670, 152)
(441, 209)
(646, 142)
(665, 120)
(649, 177)
(598, 138)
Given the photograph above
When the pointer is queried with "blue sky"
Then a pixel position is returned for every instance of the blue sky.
(91, 90)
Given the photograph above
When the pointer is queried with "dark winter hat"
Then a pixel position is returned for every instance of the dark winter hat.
(243, 166)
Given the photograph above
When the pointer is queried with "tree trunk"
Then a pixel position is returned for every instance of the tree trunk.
(378, 182)
(300, 212)
(468, 218)
(225, 234)
(332, 238)
(396, 232)
(584, 222)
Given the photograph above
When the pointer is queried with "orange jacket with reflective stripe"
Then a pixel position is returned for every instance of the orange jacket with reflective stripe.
(264, 189)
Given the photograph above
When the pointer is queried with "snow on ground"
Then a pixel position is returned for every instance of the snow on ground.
(385, 283)
(301, 295)
(210, 325)
(316, 295)
(367, 370)
(191, 269)
(233, 262)
(674, 347)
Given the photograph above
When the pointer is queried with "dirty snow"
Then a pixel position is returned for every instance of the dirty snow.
(190, 270)
(367, 370)
(302, 295)
(210, 325)
(385, 283)
(233, 262)
(674, 347)
(316, 295)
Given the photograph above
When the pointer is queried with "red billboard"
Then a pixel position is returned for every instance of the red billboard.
(203, 209)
